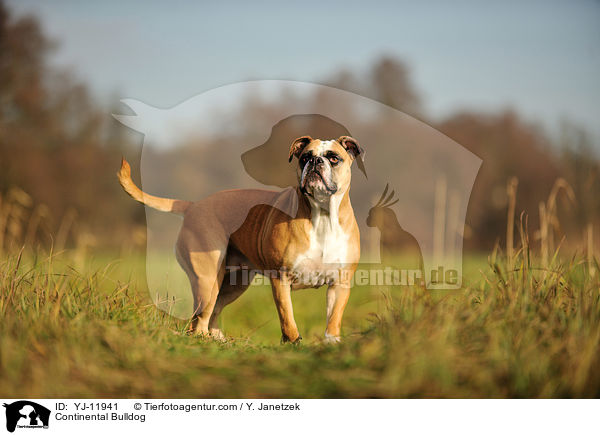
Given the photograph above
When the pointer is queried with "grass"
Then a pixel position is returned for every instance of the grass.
(94, 332)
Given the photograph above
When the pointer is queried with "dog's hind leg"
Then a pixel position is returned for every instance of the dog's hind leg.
(235, 283)
(205, 291)
(203, 261)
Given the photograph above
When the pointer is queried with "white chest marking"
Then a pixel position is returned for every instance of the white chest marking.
(327, 251)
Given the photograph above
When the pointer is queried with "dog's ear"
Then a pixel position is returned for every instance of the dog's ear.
(298, 145)
(351, 146)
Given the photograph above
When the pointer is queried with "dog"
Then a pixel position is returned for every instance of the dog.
(246, 228)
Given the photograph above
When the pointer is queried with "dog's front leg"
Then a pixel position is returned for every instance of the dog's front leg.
(337, 297)
(283, 300)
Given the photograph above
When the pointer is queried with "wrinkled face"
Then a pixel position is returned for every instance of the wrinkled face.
(324, 166)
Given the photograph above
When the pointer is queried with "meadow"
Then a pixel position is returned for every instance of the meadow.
(92, 332)
(79, 322)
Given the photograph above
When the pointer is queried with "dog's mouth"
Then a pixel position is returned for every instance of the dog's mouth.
(313, 182)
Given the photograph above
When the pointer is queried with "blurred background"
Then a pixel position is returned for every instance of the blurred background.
(515, 83)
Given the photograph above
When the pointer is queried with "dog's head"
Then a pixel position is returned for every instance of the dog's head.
(324, 165)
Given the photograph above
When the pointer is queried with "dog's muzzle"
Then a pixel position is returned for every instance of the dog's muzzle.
(316, 175)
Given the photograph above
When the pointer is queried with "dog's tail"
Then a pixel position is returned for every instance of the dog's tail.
(176, 206)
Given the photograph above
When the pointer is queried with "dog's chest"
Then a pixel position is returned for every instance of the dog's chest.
(327, 252)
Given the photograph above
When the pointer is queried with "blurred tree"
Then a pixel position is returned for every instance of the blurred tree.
(387, 81)
(51, 143)
(582, 171)
(390, 80)
(509, 147)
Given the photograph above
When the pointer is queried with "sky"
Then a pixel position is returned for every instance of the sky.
(541, 58)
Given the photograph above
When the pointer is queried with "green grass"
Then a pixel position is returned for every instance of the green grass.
(94, 332)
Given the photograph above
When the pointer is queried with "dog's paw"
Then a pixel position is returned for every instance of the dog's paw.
(332, 339)
(217, 335)
(285, 339)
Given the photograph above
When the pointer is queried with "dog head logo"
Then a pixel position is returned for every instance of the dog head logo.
(227, 138)
(26, 414)
(271, 153)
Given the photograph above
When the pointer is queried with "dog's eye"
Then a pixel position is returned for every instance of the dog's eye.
(334, 159)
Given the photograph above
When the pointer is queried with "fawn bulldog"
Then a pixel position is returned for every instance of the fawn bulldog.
(236, 229)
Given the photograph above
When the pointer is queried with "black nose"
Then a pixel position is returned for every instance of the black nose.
(316, 160)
